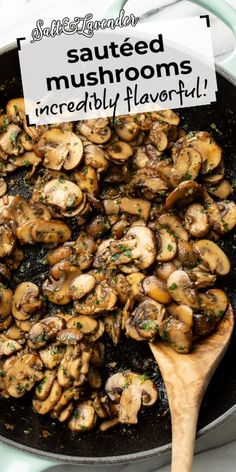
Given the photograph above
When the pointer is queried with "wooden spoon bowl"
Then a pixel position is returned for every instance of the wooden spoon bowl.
(186, 377)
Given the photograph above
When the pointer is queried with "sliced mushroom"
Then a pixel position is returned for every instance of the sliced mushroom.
(57, 287)
(167, 244)
(85, 324)
(113, 326)
(83, 418)
(52, 355)
(228, 215)
(158, 137)
(156, 288)
(44, 406)
(213, 256)
(8, 346)
(45, 330)
(119, 152)
(7, 241)
(177, 333)
(8, 140)
(221, 190)
(81, 286)
(3, 187)
(174, 224)
(64, 195)
(126, 127)
(102, 298)
(50, 232)
(168, 116)
(185, 193)
(134, 206)
(215, 301)
(44, 388)
(180, 288)
(196, 220)
(210, 151)
(147, 317)
(135, 280)
(60, 149)
(132, 391)
(186, 254)
(22, 374)
(143, 252)
(95, 130)
(182, 312)
(87, 180)
(95, 157)
(186, 166)
(26, 301)
(164, 270)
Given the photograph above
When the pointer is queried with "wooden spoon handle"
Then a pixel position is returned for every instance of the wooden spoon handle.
(184, 427)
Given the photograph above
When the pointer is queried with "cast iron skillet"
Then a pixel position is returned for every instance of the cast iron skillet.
(21, 427)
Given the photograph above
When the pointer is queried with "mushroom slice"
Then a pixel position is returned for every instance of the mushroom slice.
(158, 137)
(145, 251)
(69, 336)
(186, 254)
(215, 301)
(119, 152)
(136, 391)
(213, 256)
(210, 151)
(57, 287)
(228, 215)
(27, 159)
(217, 175)
(45, 330)
(95, 157)
(133, 206)
(102, 298)
(180, 288)
(164, 270)
(52, 355)
(62, 194)
(147, 317)
(44, 406)
(85, 324)
(83, 418)
(95, 130)
(113, 326)
(186, 166)
(185, 193)
(26, 301)
(8, 140)
(177, 333)
(221, 190)
(182, 312)
(50, 232)
(174, 224)
(3, 187)
(156, 288)
(167, 116)
(126, 127)
(201, 277)
(167, 244)
(87, 180)
(7, 241)
(44, 387)
(81, 286)
(60, 149)
(196, 220)
(22, 374)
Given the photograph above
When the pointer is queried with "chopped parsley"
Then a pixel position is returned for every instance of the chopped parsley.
(173, 287)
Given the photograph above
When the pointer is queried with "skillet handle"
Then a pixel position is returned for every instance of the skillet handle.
(219, 8)
(14, 460)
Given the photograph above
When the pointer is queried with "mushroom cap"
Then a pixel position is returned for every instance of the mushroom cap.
(180, 289)
(63, 194)
(213, 256)
(145, 251)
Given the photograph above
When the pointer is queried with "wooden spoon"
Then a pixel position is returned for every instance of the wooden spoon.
(186, 378)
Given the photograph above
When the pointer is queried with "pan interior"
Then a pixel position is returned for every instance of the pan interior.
(20, 424)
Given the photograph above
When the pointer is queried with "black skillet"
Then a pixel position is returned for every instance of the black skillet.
(21, 427)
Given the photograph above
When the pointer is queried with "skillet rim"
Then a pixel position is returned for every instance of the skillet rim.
(125, 458)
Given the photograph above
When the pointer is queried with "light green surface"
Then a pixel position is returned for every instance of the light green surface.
(14, 460)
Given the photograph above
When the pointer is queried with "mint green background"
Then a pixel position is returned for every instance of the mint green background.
(12, 459)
